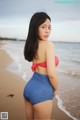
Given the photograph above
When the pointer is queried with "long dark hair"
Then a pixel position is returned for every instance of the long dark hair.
(31, 44)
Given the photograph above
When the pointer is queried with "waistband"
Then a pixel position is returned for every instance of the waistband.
(40, 77)
(40, 74)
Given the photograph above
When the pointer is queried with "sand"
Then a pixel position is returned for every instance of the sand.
(10, 84)
(11, 93)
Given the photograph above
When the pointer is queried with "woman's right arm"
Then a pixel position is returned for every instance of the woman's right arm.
(51, 69)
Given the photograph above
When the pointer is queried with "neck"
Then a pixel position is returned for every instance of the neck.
(42, 40)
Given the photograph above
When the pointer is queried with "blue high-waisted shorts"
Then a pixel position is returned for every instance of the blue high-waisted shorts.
(38, 89)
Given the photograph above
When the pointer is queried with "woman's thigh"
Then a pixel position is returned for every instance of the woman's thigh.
(43, 110)
(29, 110)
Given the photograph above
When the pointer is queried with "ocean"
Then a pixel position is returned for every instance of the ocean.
(68, 72)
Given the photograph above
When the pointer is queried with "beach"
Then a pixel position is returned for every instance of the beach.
(12, 84)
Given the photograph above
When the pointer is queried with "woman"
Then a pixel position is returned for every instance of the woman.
(43, 85)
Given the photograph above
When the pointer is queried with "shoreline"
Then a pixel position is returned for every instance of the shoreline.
(57, 113)
(8, 86)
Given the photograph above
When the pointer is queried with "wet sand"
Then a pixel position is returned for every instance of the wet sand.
(11, 89)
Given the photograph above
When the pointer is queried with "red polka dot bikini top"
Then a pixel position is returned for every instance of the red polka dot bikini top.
(43, 64)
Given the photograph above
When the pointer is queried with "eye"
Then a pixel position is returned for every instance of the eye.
(49, 27)
(43, 27)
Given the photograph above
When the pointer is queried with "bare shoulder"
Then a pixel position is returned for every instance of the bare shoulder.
(49, 45)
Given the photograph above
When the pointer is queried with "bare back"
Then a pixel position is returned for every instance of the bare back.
(41, 53)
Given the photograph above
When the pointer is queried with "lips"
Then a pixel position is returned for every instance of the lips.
(46, 36)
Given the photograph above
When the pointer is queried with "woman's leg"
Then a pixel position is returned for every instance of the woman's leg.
(42, 111)
(29, 110)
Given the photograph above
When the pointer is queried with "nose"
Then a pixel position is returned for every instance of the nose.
(47, 30)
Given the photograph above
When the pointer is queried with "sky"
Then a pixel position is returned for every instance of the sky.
(65, 18)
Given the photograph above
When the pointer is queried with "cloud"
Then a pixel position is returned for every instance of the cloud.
(68, 30)
(22, 8)
(15, 16)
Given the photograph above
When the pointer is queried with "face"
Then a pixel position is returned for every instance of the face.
(44, 30)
